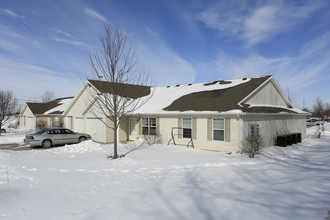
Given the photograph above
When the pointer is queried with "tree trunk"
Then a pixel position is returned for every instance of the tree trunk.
(116, 138)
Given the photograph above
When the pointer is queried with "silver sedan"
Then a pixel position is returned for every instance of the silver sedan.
(55, 136)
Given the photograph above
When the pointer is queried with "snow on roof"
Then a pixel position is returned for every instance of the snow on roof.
(62, 106)
(165, 96)
(56, 106)
(223, 96)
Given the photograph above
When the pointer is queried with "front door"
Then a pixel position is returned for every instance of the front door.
(132, 129)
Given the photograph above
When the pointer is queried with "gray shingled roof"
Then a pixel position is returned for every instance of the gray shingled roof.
(41, 108)
(124, 90)
(218, 100)
(223, 100)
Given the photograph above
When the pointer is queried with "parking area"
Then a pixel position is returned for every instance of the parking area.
(19, 147)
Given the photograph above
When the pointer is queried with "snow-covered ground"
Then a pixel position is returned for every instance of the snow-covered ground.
(165, 182)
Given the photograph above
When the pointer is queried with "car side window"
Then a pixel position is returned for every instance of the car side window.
(66, 131)
(55, 131)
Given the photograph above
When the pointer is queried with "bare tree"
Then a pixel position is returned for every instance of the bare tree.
(8, 106)
(115, 63)
(320, 109)
(47, 96)
(290, 94)
(41, 124)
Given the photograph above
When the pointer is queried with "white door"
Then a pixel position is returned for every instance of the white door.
(96, 128)
(132, 129)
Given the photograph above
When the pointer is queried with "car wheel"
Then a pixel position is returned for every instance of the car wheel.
(81, 139)
(3, 130)
(46, 144)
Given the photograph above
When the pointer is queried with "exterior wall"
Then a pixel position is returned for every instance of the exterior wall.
(200, 132)
(83, 117)
(74, 117)
(268, 95)
(44, 118)
(273, 125)
(28, 120)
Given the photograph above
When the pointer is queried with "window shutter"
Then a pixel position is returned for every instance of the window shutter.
(179, 126)
(227, 130)
(194, 128)
(157, 126)
(209, 129)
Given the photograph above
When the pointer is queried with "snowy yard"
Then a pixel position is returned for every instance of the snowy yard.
(165, 182)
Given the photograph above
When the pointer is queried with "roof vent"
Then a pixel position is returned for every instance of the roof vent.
(210, 83)
(222, 82)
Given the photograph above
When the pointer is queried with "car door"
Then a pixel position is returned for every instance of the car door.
(69, 136)
(56, 136)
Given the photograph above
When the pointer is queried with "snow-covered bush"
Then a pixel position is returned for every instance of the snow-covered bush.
(153, 139)
(318, 131)
(252, 144)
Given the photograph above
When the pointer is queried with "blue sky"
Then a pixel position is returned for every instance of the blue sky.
(44, 44)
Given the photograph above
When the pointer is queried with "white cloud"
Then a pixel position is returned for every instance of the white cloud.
(73, 42)
(164, 65)
(10, 13)
(28, 81)
(95, 14)
(309, 67)
(255, 22)
(152, 33)
(61, 32)
(9, 46)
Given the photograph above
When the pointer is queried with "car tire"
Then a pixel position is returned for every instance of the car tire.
(81, 139)
(46, 144)
(3, 130)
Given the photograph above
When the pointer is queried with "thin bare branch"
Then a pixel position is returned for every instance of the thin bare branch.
(114, 64)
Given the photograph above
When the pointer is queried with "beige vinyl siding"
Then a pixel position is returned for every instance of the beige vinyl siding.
(180, 135)
(194, 128)
(157, 126)
(209, 129)
(227, 130)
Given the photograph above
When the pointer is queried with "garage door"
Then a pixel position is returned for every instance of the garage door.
(30, 123)
(96, 128)
(79, 125)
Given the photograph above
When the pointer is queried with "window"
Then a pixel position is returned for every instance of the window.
(219, 129)
(149, 126)
(67, 131)
(186, 125)
(254, 130)
(54, 131)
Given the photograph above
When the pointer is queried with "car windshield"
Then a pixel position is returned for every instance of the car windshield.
(42, 131)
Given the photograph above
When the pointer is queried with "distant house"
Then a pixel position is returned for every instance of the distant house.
(50, 113)
(215, 115)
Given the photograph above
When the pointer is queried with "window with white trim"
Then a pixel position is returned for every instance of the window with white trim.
(218, 129)
(149, 126)
(186, 125)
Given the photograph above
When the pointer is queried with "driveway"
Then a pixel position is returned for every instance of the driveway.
(18, 147)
